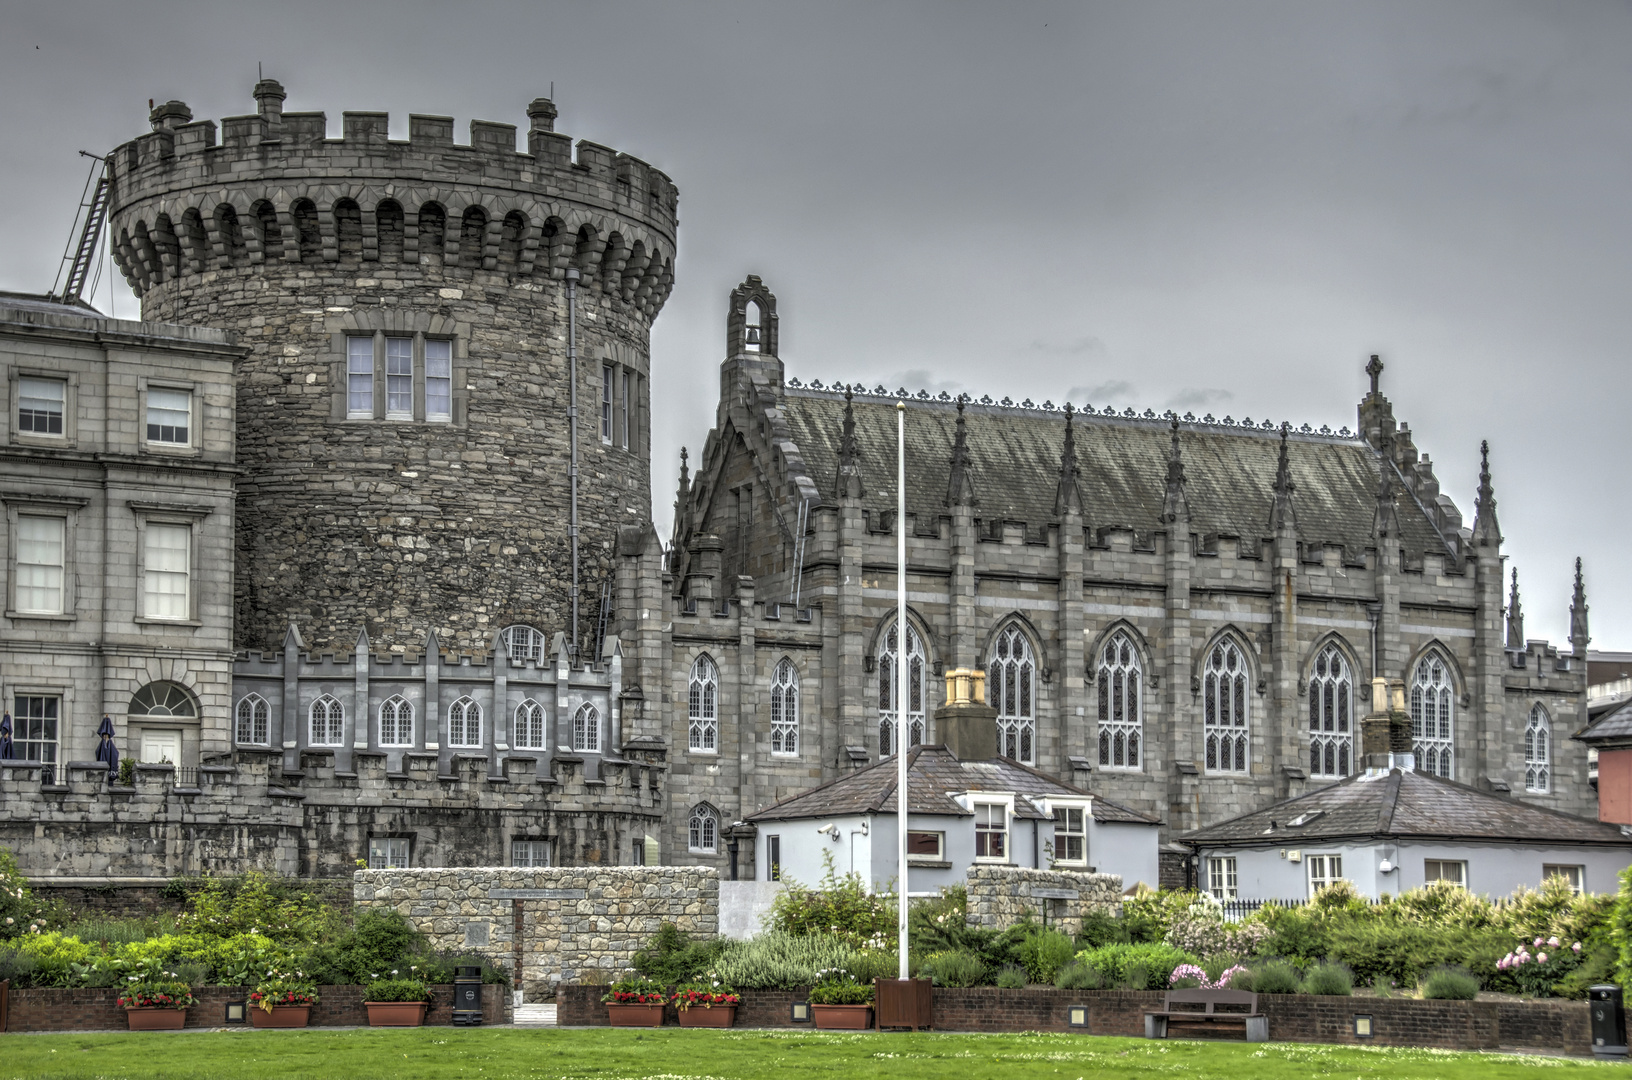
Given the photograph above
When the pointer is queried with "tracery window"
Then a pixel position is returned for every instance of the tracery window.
(703, 706)
(586, 729)
(1121, 723)
(1538, 751)
(327, 722)
(1331, 708)
(1224, 694)
(254, 718)
(703, 831)
(397, 722)
(529, 733)
(785, 709)
(887, 697)
(464, 723)
(523, 644)
(1011, 677)
(1432, 722)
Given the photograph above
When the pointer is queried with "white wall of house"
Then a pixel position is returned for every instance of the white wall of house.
(1125, 849)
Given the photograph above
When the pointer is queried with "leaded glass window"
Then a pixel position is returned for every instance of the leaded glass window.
(1331, 707)
(523, 644)
(1432, 721)
(887, 697)
(703, 706)
(703, 831)
(785, 709)
(328, 722)
(464, 723)
(1224, 697)
(397, 722)
(253, 721)
(1538, 751)
(529, 733)
(586, 729)
(1011, 677)
(1121, 719)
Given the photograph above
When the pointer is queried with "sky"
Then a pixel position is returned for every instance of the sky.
(1218, 207)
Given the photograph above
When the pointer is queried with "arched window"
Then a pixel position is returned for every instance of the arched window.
(162, 699)
(328, 722)
(785, 709)
(702, 706)
(1432, 723)
(1011, 678)
(397, 722)
(464, 723)
(1121, 722)
(254, 717)
(703, 831)
(1538, 751)
(1224, 693)
(586, 729)
(523, 644)
(529, 734)
(1331, 707)
(887, 698)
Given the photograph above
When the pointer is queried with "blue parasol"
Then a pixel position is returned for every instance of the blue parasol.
(106, 750)
(5, 738)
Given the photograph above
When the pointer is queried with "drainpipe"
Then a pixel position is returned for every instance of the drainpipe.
(572, 423)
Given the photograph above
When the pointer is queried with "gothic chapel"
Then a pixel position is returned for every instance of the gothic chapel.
(1181, 614)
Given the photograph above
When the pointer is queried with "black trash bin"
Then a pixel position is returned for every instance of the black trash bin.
(467, 996)
(1608, 1021)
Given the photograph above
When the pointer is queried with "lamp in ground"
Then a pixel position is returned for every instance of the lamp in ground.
(237, 1012)
(800, 1013)
(1362, 1027)
(1077, 1016)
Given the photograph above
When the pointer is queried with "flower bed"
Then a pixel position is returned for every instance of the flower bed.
(97, 1008)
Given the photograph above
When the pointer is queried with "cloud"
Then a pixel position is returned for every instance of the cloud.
(1104, 393)
(1075, 347)
(917, 379)
(1196, 397)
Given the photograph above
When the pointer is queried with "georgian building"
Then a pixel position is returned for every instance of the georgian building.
(1174, 612)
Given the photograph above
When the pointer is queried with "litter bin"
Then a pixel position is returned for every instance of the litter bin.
(1608, 1021)
(467, 995)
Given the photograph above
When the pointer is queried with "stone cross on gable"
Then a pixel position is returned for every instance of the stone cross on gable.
(1374, 369)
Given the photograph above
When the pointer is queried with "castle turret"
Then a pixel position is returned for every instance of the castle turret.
(403, 412)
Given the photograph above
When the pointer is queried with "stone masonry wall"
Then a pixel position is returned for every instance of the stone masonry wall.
(1000, 896)
(555, 925)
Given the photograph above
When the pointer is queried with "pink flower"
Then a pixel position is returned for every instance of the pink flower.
(1576, 946)
(1537, 942)
(1542, 957)
(1553, 941)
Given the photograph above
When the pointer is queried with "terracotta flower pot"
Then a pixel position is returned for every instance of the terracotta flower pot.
(395, 1013)
(154, 1018)
(635, 1015)
(843, 1017)
(281, 1016)
(714, 1016)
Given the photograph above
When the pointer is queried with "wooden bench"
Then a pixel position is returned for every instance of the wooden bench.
(1209, 1008)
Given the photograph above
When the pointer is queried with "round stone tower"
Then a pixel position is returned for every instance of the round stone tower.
(403, 416)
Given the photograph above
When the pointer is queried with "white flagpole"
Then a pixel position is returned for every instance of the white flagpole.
(903, 717)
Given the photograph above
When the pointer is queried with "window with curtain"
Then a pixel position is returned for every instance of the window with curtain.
(360, 378)
(40, 561)
(166, 571)
(438, 380)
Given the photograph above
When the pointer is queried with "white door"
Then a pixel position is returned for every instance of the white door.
(160, 747)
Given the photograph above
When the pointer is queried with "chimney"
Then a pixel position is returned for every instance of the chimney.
(269, 97)
(1385, 731)
(706, 554)
(169, 116)
(967, 725)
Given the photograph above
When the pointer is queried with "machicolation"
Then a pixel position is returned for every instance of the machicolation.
(403, 411)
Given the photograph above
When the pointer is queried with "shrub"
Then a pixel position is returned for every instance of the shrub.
(1271, 977)
(1150, 913)
(1535, 973)
(1079, 976)
(1012, 978)
(1155, 961)
(1138, 977)
(1188, 977)
(1199, 929)
(16, 967)
(1044, 952)
(1335, 980)
(255, 903)
(1450, 984)
(865, 965)
(1443, 904)
(780, 961)
(840, 906)
(379, 943)
(956, 968)
(383, 990)
(1100, 927)
(21, 912)
(672, 958)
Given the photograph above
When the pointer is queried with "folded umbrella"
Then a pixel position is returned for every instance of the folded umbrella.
(5, 738)
(106, 750)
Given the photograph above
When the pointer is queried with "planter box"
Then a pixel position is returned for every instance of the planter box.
(714, 1016)
(843, 1017)
(395, 1013)
(281, 1016)
(635, 1015)
(903, 1002)
(154, 1018)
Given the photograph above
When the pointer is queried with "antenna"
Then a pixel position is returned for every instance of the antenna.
(260, 76)
(552, 89)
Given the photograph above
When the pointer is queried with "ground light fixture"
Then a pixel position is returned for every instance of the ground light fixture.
(1362, 1026)
(237, 1012)
(800, 1012)
(1077, 1016)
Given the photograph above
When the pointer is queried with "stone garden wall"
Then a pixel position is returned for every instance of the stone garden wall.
(1001, 896)
(548, 926)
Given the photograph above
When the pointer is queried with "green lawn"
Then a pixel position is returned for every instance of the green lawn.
(713, 1055)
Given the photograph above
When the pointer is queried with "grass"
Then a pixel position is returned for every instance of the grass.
(673, 1054)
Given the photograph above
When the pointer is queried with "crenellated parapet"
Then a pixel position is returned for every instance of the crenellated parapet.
(276, 189)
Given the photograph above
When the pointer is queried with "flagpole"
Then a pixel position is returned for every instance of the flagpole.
(903, 714)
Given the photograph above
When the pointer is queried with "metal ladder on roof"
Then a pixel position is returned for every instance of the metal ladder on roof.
(89, 218)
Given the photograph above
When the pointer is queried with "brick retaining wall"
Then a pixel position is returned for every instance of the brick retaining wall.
(1304, 1018)
(96, 1009)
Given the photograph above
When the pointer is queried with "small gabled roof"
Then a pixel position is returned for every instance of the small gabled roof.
(1401, 805)
(1615, 726)
(934, 775)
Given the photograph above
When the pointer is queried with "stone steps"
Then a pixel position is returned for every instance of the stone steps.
(535, 1015)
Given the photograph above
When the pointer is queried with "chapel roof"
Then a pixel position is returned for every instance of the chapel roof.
(1400, 805)
(1122, 460)
(934, 775)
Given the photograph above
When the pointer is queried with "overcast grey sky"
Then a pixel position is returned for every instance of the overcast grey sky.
(1224, 207)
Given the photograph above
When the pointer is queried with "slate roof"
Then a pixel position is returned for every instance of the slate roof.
(1015, 467)
(933, 775)
(1403, 805)
(46, 305)
(1614, 727)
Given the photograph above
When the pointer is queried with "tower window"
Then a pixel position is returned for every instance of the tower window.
(438, 380)
(606, 404)
(399, 378)
(360, 378)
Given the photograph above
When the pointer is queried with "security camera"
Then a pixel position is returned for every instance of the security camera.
(826, 828)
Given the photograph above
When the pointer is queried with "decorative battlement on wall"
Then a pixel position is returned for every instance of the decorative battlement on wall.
(276, 188)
